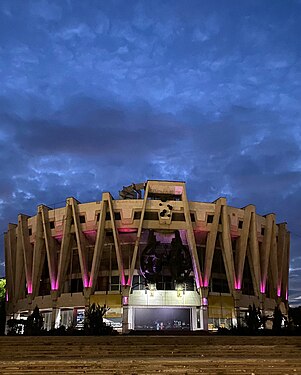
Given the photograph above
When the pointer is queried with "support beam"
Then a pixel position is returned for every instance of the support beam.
(107, 196)
(81, 243)
(227, 247)
(273, 266)
(99, 245)
(38, 255)
(242, 246)
(281, 252)
(266, 248)
(65, 248)
(137, 242)
(254, 255)
(191, 242)
(51, 247)
(211, 242)
(10, 239)
(27, 250)
(286, 266)
(20, 268)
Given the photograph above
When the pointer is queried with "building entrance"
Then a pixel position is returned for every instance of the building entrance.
(162, 318)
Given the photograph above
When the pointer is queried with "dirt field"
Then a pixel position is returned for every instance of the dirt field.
(150, 355)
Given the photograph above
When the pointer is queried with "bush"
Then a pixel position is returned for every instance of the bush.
(94, 324)
(34, 323)
(254, 319)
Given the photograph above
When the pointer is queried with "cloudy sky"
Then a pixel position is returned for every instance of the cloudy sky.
(95, 95)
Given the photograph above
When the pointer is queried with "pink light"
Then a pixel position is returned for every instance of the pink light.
(29, 287)
(279, 291)
(237, 284)
(286, 295)
(127, 230)
(123, 282)
(6, 298)
(204, 301)
(205, 282)
(125, 300)
(53, 284)
(86, 281)
(262, 287)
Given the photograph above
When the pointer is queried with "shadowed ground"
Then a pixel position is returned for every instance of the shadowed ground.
(150, 354)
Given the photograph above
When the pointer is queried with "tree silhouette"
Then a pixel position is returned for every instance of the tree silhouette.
(254, 319)
(34, 323)
(94, 324)
(277, 319)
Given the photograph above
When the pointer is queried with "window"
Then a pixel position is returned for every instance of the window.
(115, 283)
(262, 231)
(98, 216)
(29, 231)
(82, 219)
(108, 216)
(148, 215)
(178, 216)
(76, 285)
(137, 215)
(102, 283)
(52, 225)
(138, 283)
(240, 224)
(192, 217)
(165, 283)
(210, 218)
(117, 216)
(66, 318)
(219, 285)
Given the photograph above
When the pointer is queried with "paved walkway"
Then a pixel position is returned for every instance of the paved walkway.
(150, 355)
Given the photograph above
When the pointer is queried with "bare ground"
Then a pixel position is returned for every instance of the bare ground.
(150, 355)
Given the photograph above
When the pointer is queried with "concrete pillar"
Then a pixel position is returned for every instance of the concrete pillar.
(87, 293)
(125, 319)
(262, 298)
(204, 308)
(236, 297)
(55, 316)
(125, 290)
(29, 301)
(204, 317)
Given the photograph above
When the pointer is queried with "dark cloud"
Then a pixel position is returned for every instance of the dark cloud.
(94, 98)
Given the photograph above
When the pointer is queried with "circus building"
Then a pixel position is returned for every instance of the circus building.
(156, 259)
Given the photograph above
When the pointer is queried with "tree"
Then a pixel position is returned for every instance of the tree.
(94, 324)
(294, 315)
(34, 323)
(254, 319)
(2, 305)
(277, 319)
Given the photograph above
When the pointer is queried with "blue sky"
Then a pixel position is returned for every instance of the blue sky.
(95, 95)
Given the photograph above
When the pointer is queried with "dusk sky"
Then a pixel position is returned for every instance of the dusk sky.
(95, 95)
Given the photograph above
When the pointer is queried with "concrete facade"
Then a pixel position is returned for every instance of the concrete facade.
(64, 259)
